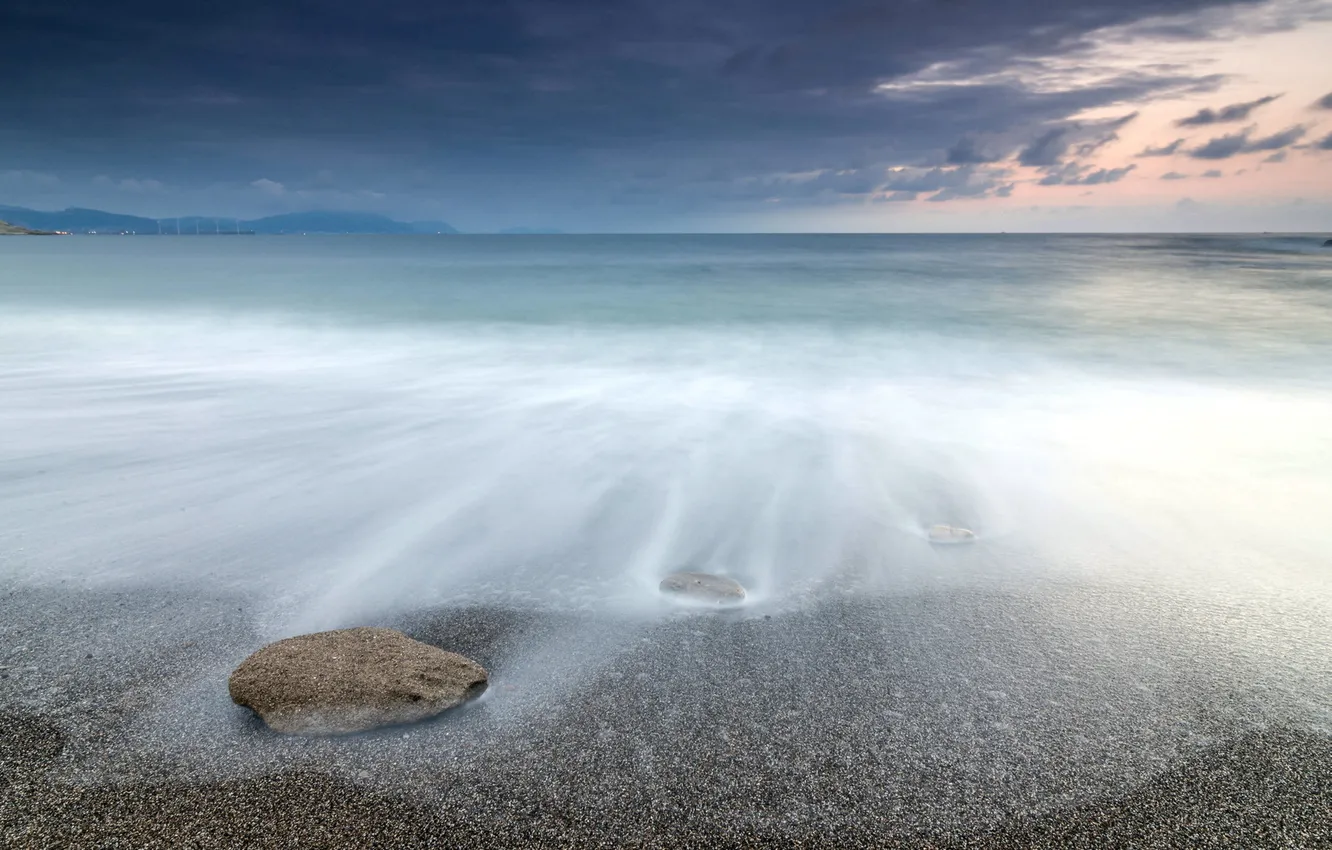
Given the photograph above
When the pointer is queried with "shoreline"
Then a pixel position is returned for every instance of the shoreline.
(12, 230)
(876, 723)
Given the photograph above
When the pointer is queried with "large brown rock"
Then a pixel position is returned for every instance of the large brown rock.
(351, 680)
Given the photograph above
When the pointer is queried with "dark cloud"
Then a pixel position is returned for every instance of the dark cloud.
(946, 183)
(847, 182)
(1107, 175)
(1067, 174)
(1089, 148)
(967, 152)
(1103, 133)
(1279, 156)
(1324, 144)
(1047, 149)
(1324, 102)
(927, 179)
(621, 110)
(1233, 113)
(1174, 175)
(1224, 147)
(1083, 138)
(1164, 150)
(958, 193)
(1213, 173)
(1277, 141)
(1074, 174)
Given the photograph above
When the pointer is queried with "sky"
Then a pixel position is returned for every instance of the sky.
(690, 115)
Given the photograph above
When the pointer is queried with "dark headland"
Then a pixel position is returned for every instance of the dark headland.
(7, 229)
(99, 222)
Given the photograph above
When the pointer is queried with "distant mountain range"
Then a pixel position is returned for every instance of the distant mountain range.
(78, 220)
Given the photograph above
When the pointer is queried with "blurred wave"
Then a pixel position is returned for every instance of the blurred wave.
(365, 425)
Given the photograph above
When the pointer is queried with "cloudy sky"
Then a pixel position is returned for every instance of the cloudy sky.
(733, 115)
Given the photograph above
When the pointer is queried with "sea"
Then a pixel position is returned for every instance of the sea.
(352, 425)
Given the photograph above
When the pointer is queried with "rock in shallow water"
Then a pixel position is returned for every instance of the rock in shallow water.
(951, 534)
(703, 587)
(352, 680)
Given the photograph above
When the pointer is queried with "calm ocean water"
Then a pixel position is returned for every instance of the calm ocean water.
(360, 423)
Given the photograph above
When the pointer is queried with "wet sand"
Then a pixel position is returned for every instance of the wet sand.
(1059, 716)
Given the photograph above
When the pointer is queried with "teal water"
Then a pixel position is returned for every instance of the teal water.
(382, 422)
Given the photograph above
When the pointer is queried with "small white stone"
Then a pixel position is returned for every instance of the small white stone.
(703, 587)
(951, 534)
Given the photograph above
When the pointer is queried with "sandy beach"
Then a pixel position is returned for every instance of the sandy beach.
(1063, 717)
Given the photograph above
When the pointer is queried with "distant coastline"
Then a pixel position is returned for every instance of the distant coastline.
(77, 220)
(7, 229)
(90, 222)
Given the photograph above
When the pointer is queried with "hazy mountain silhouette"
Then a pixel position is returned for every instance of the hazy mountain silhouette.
(79, 220)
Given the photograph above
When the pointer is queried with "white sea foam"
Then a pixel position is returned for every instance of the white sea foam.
(347, 469)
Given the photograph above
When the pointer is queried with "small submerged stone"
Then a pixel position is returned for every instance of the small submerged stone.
(352, 680)
(703, 587)
(951, 534)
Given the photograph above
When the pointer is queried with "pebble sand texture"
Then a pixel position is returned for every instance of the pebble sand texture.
(1059, 717)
